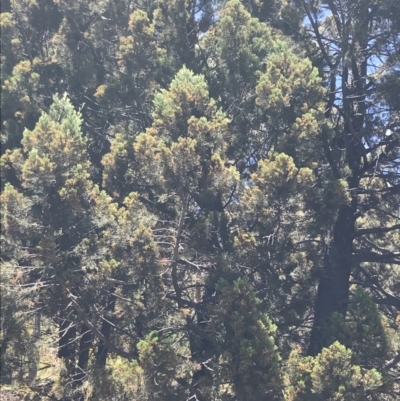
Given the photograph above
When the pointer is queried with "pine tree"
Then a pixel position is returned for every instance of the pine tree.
(200, 200)
(360, 148)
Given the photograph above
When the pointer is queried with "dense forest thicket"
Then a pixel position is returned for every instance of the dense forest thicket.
(200, 200)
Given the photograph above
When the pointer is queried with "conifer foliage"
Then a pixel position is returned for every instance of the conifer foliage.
(200, 200)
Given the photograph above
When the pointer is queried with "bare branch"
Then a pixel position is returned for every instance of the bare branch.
(97, 332)
(376, 230)
(390, 258)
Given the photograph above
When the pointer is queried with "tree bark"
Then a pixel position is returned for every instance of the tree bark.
(106, 328)
(33, 365)
(201, 349)
(66, 343)
(84, 348)
(333, 288)
(4, 378)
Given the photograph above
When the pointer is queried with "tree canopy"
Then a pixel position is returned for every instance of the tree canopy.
(200, 200)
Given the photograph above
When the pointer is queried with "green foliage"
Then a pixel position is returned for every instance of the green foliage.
(184, 150)
(291, 93)
(329, 376)
(15, 345)
(190, 188)
(364, 331)
(249, 357)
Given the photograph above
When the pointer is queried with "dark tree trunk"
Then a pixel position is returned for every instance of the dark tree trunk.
(333, 288)
(201, 350)
(84, 347)
(67, 346)
(66, 342)
(191, 37)
(102, 351)
(4, 377)
(33, 365)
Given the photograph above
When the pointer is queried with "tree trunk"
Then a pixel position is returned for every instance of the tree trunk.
(33, 365)
(66, 343)
(102, 351)
(201, 350)
(333, 288)
(4, 377)
(84, 347)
